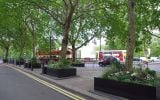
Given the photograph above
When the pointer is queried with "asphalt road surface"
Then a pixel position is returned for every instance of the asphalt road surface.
(16, 86)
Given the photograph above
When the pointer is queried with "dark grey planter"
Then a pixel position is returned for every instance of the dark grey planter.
(61, 72)
(34, 65)
(20, 62)
(5, 60)
(131, 91)
(27, 65)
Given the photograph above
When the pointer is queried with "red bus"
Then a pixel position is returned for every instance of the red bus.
(119, 54)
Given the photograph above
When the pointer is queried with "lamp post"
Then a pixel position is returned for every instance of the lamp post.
(100, 42)
(51, 38)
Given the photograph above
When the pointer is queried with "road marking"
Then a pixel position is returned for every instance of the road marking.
(54, 87)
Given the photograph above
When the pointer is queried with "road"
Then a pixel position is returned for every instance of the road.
(16, 86)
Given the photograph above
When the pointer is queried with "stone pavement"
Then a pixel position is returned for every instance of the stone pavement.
(83, 83)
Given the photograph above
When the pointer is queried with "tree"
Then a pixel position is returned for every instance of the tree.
(21, 40)
(6, 41)
(11, 18)
(65, 12)
(82, 32)
(36, 24)
(63, 17)
(131, 34)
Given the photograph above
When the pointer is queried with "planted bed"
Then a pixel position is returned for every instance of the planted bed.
(128, 90)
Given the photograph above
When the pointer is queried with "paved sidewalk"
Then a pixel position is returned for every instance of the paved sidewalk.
(83, 83)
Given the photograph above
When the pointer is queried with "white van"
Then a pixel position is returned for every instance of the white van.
(155, 59)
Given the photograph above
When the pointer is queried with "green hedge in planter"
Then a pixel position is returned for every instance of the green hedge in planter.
(62, 64)
(60, 69)
(78, 63)
(34, 63)
(136, 75)
(5, 60)
(136, 84)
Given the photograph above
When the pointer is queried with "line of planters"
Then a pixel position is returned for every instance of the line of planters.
(136, 84)
(59, 69)
(20, 61)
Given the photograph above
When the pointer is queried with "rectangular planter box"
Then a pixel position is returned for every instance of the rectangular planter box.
(19, 62)
(131, 91)
(27, 65)
(35, 65)
(5, 60)
(78, 65)
(61, 72)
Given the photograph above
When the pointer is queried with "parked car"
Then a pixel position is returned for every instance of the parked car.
(137, 59)
(155, 59)
(107, 61)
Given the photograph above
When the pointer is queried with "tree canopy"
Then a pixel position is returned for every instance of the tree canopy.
(26, 25)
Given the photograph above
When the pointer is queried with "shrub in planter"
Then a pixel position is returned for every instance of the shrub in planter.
(62, 64)
(78, 63)
(136, 84)
(61, 69)
(34, 63)
(27, 65)
(5, 60)
(20, 61)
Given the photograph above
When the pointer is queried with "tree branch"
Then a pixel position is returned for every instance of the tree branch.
(70, 3)
(48, 11)
(152, 33)
(85, 42)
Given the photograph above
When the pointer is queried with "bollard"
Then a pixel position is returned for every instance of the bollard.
(44, 69)
(31, 66)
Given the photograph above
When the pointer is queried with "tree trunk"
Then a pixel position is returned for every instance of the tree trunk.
(73, 53)
(66, 27)
(7, 51)
(64, 42)
(33, 45)
(131, 35)
(21, 50)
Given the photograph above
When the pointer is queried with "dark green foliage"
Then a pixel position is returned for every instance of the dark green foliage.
(34, 60)
(62, 64)
(5, 60)
(77, 62)
(137, 75)
(115, 67)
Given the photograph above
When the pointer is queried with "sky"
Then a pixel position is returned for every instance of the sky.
(88, 51)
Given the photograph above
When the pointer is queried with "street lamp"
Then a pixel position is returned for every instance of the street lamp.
(100, 47)
(51, 38)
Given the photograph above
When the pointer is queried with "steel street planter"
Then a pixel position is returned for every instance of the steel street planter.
(34, 65)
(5, 60)
(132, 91)
(19, 62)
(61, 72)
(27, 65)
